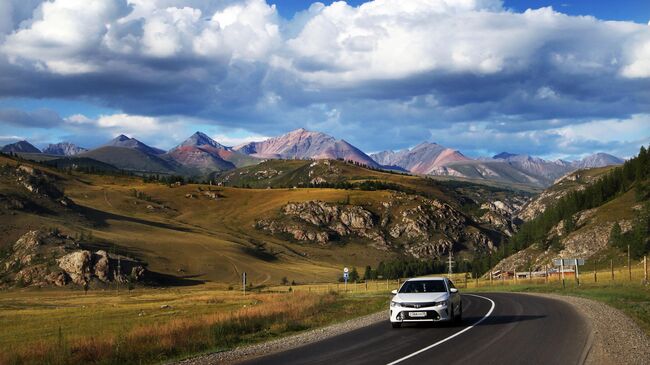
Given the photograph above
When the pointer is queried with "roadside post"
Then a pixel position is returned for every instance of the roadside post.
(629, 265)
(562, 272)
(243, 281)
(345, 277)
(569, 262)
(546, 274)
(645, 270)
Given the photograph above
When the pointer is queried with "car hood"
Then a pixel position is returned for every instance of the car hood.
(420, 297)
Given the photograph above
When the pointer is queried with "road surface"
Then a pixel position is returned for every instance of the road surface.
(497, 328)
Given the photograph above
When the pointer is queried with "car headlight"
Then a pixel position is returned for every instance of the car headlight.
(444, 302)
(395, 304)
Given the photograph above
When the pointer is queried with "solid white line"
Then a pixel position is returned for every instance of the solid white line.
(452, 336)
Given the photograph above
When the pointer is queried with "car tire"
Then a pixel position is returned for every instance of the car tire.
(452, 315)
(459, 317)
(396, 324)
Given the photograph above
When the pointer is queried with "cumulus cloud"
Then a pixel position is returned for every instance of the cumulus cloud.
(392, 69)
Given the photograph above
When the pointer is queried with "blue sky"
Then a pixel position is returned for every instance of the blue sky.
(481, 76)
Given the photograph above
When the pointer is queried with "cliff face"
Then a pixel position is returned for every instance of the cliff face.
(418, 226)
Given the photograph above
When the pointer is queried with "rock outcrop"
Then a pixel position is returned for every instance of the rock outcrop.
(421, 227)
(51, 259)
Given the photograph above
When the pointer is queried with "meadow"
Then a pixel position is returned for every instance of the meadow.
(159, 325)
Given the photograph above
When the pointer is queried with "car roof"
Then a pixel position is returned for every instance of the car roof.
(431, 278)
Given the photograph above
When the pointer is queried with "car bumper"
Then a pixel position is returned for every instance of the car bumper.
(433, 314)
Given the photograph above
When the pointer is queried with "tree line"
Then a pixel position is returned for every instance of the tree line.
(633, 174)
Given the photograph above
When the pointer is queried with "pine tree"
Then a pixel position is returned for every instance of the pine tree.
(367, 275)
(615, 235)
(354, 274)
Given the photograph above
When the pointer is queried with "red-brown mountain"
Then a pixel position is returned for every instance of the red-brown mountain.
(425, 158)
(201, 152)
(304, 144)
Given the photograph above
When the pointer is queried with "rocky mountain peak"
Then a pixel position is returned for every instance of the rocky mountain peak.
(20, 146)
(201, 139)
(64, 149)
(127, 142)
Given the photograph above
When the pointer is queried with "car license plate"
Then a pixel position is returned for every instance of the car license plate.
(417, 314)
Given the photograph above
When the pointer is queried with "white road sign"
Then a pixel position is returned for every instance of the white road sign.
(568, 262)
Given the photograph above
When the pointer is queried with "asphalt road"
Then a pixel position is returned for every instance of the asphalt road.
(497, 328)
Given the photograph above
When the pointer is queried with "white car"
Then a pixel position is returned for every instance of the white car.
(428, 299)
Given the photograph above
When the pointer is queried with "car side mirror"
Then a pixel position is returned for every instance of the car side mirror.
(394, 292)
(453, 290)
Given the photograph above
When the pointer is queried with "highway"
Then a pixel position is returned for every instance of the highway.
(497, 328)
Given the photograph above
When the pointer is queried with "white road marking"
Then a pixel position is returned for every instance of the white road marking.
(452, 336)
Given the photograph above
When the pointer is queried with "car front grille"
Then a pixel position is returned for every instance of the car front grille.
(418, 305)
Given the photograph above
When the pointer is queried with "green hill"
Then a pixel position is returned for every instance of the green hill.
(130, 159)
(588, 214)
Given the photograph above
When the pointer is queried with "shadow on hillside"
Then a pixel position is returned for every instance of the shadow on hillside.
(156, 278)
(99, 218)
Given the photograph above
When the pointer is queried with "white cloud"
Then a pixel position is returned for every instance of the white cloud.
(386, 40)
(639, 59)
(63, 33)
(631, 129)
(74, 37)
(234, 140)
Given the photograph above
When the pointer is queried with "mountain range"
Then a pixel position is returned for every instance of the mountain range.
(434, 159)
(200, 155)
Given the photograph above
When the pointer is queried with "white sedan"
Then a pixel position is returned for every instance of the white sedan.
(428, 299)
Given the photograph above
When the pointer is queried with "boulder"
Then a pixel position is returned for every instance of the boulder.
(102, 266)
(77, 266)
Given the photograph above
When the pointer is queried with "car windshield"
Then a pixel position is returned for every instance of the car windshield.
(423, 286)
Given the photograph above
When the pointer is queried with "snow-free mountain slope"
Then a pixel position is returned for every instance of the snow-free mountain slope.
(304, 144)
(20, 147)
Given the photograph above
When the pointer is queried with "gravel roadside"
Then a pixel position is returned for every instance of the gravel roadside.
(286, 343)
(615, 338)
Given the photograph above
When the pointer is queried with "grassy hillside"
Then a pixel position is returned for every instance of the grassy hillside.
(587, 214)
(340, 174)
(131, 160)
(203, 232)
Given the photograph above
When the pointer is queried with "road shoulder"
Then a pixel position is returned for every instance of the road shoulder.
(286, 343)
(615, 338)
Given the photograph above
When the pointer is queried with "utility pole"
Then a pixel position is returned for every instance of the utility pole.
(119, 273)
(450, 262)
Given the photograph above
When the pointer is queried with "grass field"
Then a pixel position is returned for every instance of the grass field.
(183, 232)
(157, 325)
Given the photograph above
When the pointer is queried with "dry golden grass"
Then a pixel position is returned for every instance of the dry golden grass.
(230, 319)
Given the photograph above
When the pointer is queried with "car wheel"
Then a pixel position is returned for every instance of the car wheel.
(459, 317)
(396, 324)
(452, 318)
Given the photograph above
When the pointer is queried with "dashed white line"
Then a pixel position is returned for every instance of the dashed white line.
(452, 336)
